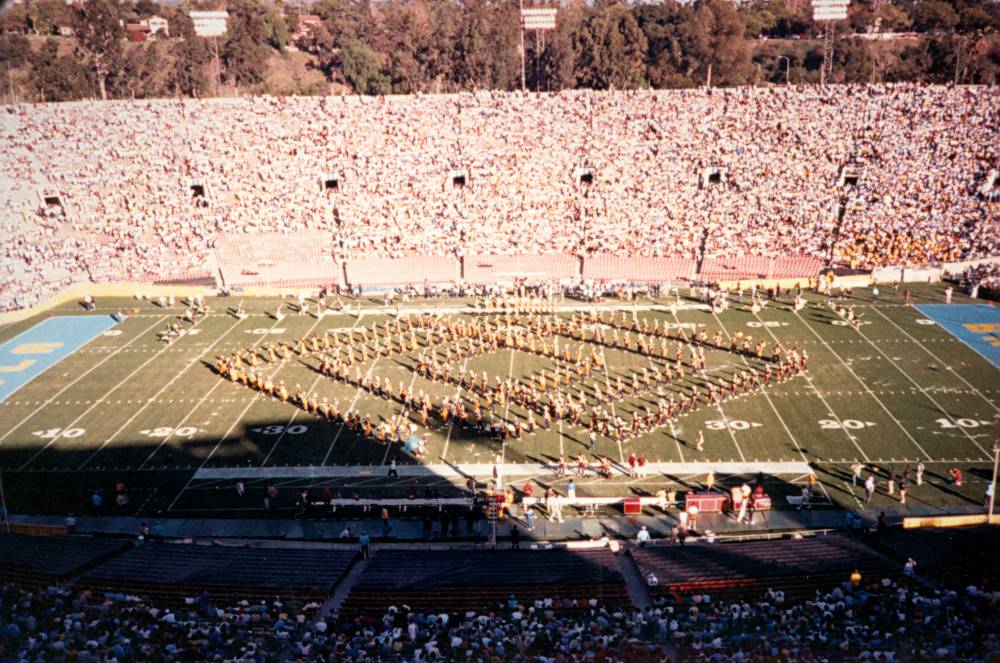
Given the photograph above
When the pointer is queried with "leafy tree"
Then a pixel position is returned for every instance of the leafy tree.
(46, 16)
(14, 49)
(975, 18)
(99, 35)
(663, 25)
(346, 19)
(361, 68)
(557, 61)
(244, 52)
(277, 31)
(191, 54)
(894, 18)
(57, 77)
(139, 77)
(487, 46)
(14, 19)
(147, 8)
(933, 16)
(610, 50)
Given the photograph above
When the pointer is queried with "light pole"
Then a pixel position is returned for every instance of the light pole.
(996, 456)
(788, 66)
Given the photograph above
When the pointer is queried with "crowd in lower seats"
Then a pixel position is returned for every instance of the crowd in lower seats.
(983, 279)
(145, 187)
(860, 621)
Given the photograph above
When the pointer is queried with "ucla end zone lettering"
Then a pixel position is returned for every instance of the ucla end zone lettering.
(31, 353)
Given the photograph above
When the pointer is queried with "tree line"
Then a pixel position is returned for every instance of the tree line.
(410, 46)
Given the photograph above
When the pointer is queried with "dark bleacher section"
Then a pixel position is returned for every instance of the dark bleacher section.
(730, 570)
(170, 572)
(478, 580)
(953, 555)
(38, 560)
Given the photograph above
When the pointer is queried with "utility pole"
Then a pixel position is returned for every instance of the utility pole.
(218, 66)
(520, 23)
(996, 456)
(6, 516)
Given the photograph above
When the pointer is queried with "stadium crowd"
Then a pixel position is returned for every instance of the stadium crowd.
(882, 621)
(982, 279)
(145, 187)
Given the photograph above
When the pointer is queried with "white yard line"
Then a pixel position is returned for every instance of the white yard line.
(236, 422)
(819, 394)
(80, 377)
(607, 385)
(100, 400)
(357, 395)
(402, 415)
(781, 419)
(506, 410)
(451, 424)
(155, 396)
(906, 375)
(297, 411)
(864, 385)
(949, 368)
(200, 402)
(725, 419)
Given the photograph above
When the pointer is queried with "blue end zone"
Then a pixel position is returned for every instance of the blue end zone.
(30, 353)
(977, 325)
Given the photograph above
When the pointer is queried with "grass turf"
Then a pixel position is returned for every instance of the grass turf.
(127, 407)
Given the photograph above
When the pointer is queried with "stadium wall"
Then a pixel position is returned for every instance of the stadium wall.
(78, 291)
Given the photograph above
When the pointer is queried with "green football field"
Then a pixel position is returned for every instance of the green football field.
(129, 408)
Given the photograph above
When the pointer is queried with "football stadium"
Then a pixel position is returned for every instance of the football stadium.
(704, 374)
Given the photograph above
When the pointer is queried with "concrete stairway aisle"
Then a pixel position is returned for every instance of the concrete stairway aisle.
(336, 600)
(634, 582)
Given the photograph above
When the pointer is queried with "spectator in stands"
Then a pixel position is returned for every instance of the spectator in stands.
(642, 538)
(749, 174)
(364, 542)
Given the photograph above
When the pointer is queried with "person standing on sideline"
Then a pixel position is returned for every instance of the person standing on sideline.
(515, 537)
(892, 481)
(529, 517)
(869, 487)
(988, 495)
(947, 295)
(555, 507)
(393, 474)
(920, 472)
(699, 444)
(593, 441)
(364, 541)
(642, 538)
(385, 522)
(856, 469)
(571, 490)
(904, 487)
(874, 293)
(270, 495)
(96, 501)
(241, 489)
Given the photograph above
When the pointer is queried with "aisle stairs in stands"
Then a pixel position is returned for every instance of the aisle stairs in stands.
(634, 582)
(332, 604)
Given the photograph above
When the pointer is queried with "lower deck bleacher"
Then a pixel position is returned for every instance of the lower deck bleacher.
(479, 579)
(797, 567)
(38, 560)
(173, 572)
